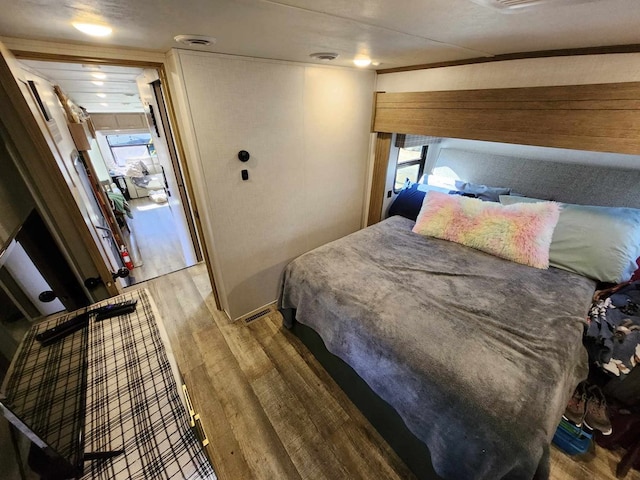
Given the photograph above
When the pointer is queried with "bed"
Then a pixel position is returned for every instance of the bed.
(454, 354)
(475, 355)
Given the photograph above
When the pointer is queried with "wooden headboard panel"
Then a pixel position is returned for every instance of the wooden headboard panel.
(601, 117)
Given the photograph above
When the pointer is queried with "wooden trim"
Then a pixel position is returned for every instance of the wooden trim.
(373, 109)
(566, 52)
(61, 58)
(379, 180)
(602, 117)
(187, 181)
(102, 198)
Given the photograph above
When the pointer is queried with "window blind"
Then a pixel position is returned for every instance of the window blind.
(406, 141)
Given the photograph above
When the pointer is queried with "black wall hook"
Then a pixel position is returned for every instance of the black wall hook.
(243, 155)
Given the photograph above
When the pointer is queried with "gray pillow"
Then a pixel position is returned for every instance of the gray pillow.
(602, 243)
(483, 192)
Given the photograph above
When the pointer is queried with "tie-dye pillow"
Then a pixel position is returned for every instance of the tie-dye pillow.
(521, 234)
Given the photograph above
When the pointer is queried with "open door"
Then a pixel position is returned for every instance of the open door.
(152, 97)
(30, 140)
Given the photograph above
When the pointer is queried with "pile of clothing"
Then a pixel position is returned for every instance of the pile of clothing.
(119, 204)
(612, 337)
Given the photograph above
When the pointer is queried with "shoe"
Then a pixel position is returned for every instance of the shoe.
(577, 406)
(596, 416)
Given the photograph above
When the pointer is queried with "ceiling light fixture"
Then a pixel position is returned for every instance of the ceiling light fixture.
(513, 6)
(324, 56)
(93, 29)
(101, 95)
(104, 104)
(195, 40)
(99, 76)
(362, 62)
(98, 83)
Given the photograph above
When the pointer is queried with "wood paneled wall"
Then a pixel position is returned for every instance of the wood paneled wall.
(602, 117)
(598, 117)
(383, 145)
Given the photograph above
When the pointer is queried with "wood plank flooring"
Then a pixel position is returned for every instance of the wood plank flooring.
(269, 408)
(272, 412)
(154, 243)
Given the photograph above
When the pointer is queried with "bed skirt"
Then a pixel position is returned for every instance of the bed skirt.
(380, 414)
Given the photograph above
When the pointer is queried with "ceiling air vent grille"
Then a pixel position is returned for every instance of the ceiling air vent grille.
(324, 56)
(510, 6)
(195, 40)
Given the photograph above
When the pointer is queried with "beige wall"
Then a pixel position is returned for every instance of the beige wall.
(307, 130)
(577, 70)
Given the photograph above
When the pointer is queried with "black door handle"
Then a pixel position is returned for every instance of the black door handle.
(47, 296)
(93, 282)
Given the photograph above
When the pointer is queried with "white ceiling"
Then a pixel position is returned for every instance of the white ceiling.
(394, 33)
(118, 92)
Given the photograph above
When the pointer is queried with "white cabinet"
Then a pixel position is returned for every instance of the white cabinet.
(307, 130)
(130, 120)
(119, 121)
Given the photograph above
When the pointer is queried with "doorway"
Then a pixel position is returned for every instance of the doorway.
(133, 157)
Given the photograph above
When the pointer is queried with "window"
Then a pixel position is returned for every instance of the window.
(126, 146)
(410, 165)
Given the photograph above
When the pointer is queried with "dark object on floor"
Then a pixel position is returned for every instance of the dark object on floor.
(577, 406)
(589, 405)
(596, 414)
(626, 434)
(572, 439)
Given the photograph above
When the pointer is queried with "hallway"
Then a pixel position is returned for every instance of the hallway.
(154, 240)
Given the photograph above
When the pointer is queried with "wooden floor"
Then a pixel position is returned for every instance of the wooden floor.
(272, 412)
(269, 409)
(154, 243)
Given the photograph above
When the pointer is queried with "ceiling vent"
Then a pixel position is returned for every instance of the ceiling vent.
(512, 6)
(324, 56)
(195, 40)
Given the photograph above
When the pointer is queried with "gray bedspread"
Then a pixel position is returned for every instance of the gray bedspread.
(477, 354)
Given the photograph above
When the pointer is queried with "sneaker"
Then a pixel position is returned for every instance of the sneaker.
(577, 406)
(596, 416)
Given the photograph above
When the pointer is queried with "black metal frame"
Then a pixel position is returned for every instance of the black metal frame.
(418, 161)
